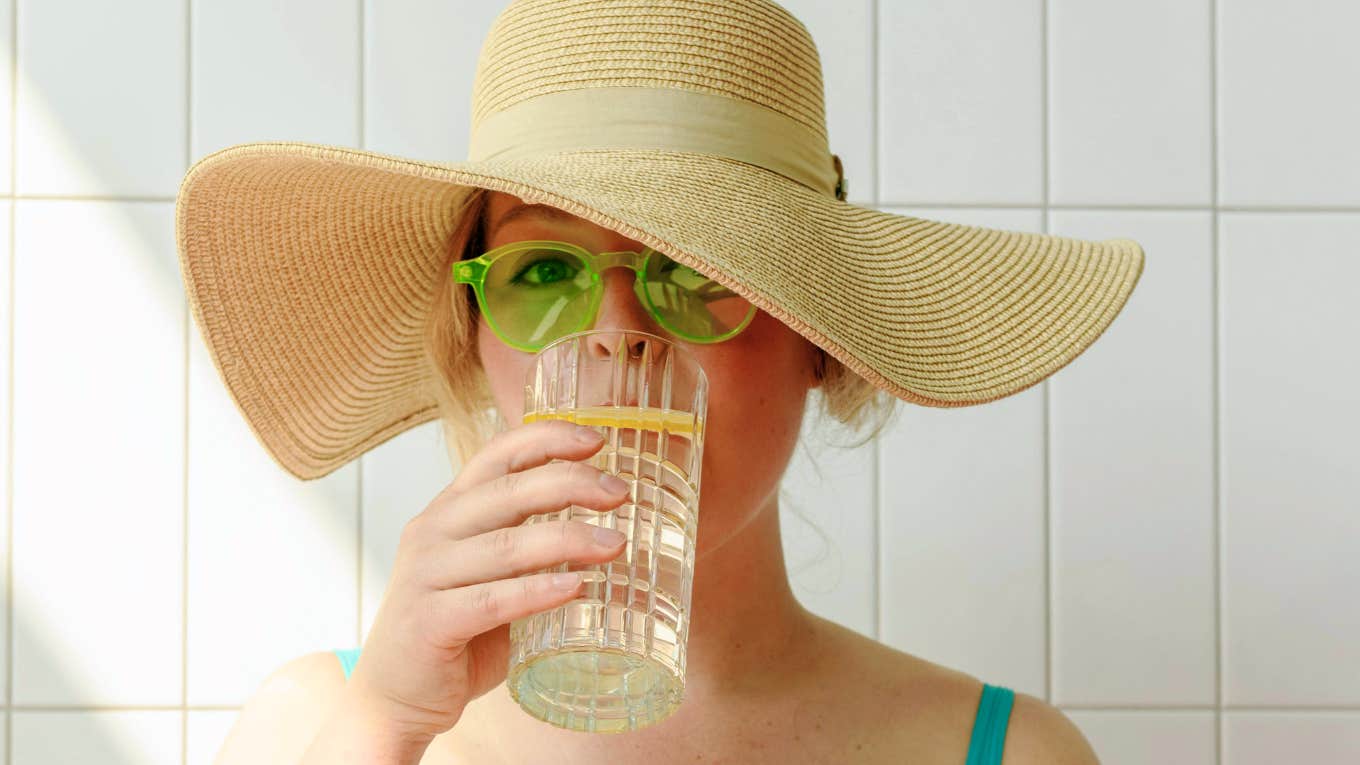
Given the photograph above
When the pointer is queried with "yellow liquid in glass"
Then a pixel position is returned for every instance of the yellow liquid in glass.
(631, 417)
(612, 660)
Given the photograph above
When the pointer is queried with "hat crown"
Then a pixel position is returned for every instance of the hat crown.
(753, 50)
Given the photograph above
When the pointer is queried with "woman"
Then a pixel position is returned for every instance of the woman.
(767, 680)
(320, 277)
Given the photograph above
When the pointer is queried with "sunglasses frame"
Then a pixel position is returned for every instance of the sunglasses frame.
(473, 271)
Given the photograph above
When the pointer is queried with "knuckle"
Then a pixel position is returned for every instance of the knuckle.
(497, 439)
(580, 472)
(504, 542)
(485, 600)
(512, 484)
(569, 532)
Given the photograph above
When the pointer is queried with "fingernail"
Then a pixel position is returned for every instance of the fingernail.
(608, 537)
(613, 483)
(588, 435)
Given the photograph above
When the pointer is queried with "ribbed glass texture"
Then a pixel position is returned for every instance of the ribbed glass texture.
(613, 659)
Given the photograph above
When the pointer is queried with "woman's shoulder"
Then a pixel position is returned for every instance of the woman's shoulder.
(928, 710)
(907, 707)
(286, 711)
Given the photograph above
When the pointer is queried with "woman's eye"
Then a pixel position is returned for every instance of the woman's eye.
(546, 271)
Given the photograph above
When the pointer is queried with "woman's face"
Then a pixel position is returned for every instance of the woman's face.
(758, 380)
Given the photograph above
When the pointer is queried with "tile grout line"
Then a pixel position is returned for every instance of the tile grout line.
(9, 393)
(1047, 434)
(188, 328)
(876, 489)
(1216, 376)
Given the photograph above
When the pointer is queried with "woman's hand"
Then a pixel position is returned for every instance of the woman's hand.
(441, 637)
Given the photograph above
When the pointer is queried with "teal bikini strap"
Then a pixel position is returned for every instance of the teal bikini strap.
(348, 656)
(989, 727)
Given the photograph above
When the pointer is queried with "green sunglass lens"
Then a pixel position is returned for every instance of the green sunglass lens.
(537, 294)
(692, 304)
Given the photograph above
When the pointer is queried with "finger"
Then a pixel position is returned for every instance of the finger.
(466, 612)
(510, 499)
(518, 550)
(526, 446)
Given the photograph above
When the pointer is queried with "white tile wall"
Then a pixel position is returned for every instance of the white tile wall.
(6, 418)
(961, 103)
(1290, 458)
(1289, 115)
(1107, 90)
(108, 737)
(6, 99)
(1267, 738)
(98, 460)
(1139, 737)
(414, 49)
(269, 71)
(101, 97)
(1160, 539)
(1132, 480)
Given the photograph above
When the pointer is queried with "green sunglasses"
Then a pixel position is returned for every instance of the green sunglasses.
(534, 292)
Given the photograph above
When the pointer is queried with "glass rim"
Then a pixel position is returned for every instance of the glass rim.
(585, 334)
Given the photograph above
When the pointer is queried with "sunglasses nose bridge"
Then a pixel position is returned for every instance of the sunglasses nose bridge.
(625, 258)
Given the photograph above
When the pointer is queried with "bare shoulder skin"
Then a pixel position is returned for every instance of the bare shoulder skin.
(279, 721)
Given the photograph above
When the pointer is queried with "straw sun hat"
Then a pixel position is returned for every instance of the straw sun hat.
(696, 127)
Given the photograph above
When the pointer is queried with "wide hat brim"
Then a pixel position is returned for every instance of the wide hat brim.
(309, 270)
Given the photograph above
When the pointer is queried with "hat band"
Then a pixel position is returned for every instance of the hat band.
(667, 119)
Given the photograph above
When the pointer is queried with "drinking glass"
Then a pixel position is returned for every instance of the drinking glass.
(613, 659)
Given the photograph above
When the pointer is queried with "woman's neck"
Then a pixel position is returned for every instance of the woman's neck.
(745, 621)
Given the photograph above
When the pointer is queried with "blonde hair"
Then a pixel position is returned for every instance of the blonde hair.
(467, 409)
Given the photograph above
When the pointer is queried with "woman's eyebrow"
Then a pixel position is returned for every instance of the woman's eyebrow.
(531, 211)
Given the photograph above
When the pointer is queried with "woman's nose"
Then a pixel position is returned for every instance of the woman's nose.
(621, 309)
